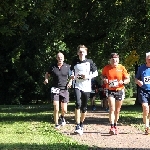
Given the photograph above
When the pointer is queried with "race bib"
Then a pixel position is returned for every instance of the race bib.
(113, 83)
(55, 90)
(79, 77)
(147, 80)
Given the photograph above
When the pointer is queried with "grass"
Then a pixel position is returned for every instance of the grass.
(131, 114)
(31, 127)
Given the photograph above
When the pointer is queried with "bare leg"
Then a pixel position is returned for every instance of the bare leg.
(56, 111)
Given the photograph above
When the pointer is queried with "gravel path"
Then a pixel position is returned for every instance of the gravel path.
(96, 128)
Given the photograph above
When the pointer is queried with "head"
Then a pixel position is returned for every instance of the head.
(60, 58)
(114, 59)
(148, 59)
(82, 51)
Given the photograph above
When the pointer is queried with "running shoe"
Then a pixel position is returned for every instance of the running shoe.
(107, 109)
(93, 108)
(62, 122)
(147, 131)
(57, 126)
(112, 131)
(78, 130)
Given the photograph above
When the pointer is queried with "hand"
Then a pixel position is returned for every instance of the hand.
(72, 77)
(105, 81)
(121, 82)
(69, 85)
(140, 83)
(83, 76)
(46, 81)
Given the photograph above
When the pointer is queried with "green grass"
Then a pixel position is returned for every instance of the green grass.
(131, 114)
(31, 127)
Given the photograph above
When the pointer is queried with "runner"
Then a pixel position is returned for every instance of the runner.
(142, 78)
(83, 70)
(115, 76)
(105, 97)
(59, 91)
(94, 91)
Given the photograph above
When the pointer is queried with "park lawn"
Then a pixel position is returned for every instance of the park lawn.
(25, 127)
(31, 127)
(131, 114)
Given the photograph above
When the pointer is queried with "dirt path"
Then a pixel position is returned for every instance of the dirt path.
(96, 135)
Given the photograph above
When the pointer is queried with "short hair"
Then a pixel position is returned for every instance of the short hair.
(114, 55)
(82, 46)
(147, 54)
(59, 53)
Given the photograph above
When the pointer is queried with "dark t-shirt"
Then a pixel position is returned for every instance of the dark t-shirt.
(59, 76)
(94, 84)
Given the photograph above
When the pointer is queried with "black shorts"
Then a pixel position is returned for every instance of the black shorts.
(118, 95)
(62, 96)
(92, 95)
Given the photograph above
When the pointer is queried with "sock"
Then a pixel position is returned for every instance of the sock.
(112, 125)
(78, 124)
(61, 117)
(81, 124)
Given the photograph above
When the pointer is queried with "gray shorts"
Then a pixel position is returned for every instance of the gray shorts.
(118, 95)
(62, 96)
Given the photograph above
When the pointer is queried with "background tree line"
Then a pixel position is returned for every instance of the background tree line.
(33, 31)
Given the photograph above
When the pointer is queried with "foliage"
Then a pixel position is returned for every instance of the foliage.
(130, 88)
(32, 32)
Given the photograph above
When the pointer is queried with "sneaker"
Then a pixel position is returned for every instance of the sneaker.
(93, 108)
(62, 122)
(78, 130)
(57, 126)
(147, 131)
(107, 109)
(116, 130)
(112, 131)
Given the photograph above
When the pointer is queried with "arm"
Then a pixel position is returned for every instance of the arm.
(126, 77)
(126, 80)
(71, 77)
(138, 82)
(47, 75)
(104, 76)
(137, 78)
(93, 70)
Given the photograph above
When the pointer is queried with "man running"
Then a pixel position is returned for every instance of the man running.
(83, 70)
(94, 91)
(142, 78)
(59, 91)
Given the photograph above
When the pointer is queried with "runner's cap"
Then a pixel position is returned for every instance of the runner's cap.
(114, 55)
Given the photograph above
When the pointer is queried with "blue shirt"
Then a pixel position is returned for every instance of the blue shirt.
(143, 74)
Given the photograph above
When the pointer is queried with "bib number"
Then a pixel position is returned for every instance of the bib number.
(79, 77)
(55, 90)
(113, 83)
(147, 80)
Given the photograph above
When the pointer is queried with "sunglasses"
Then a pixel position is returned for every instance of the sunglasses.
(81, 52)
